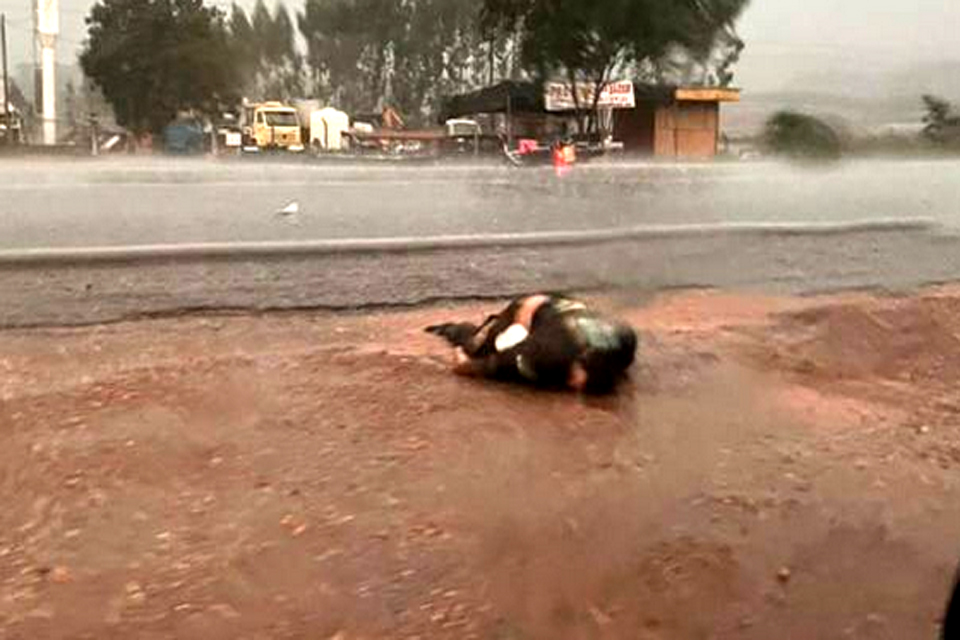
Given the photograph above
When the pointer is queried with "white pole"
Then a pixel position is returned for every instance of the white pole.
(49, 65)
(48, 26)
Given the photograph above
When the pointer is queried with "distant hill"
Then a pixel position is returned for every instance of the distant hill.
(862, 101)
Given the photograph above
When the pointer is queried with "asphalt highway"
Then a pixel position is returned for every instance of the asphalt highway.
(102, 241)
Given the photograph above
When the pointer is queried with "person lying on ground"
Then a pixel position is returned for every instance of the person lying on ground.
(547, 340)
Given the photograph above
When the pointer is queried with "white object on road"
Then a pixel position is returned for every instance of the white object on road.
(290, 213)
(291, 209)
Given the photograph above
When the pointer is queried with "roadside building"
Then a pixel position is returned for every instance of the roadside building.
(680, 122)
(654, 120)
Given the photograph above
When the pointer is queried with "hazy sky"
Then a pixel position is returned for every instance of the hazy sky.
(788, 38)
(785, 39)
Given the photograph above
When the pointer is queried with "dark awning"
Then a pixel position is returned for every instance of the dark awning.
(523, 97)
(527, 97)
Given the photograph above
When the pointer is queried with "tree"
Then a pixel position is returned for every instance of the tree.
(154, 58)
(265, 53)
(281, 64)
(72, 104)
(440, 51)
(262, 23)
(801, 136)
(730, 46)
(335, 43)
(942, 124)
(365, 54)
(588, 43)
(244, 48)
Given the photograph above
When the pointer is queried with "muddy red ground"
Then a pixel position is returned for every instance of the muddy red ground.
(776, 469)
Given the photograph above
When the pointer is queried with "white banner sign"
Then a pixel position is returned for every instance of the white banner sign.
(616, 95)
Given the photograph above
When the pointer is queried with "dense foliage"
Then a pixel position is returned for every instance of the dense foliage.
(153, 58)
(594, 42)
(801, 136)
(941, 122)
(363, 54)
(265, 53)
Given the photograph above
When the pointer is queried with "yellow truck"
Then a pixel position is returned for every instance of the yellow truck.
(272, 126)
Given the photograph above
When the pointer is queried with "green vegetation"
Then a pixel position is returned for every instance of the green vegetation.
(801, 136)
(405, 53)
(264, 51)
(410, 53)
(593, 42)
(153, 58)
(942, 123)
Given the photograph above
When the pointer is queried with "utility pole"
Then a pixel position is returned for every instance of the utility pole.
(6, 82)
(47, 17)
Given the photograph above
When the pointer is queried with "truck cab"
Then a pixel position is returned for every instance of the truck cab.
(272, 126)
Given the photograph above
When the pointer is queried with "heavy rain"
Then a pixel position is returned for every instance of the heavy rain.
(353, 319)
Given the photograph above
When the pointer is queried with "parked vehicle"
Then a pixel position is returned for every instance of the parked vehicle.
(328, 130)
(272, 126)
(11, 132)
(228, 133)
(184, 136)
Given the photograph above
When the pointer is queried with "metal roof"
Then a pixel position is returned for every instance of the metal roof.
(522, 97)
(527, 97)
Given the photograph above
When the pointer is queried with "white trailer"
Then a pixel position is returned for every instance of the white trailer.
(327, 129)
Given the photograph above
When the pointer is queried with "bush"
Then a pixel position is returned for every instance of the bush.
(801, 136)
(942, 123)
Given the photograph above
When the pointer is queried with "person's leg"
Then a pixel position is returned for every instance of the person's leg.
(487, 341)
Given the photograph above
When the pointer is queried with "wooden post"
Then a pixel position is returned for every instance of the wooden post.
(491, 61)
(509, 119)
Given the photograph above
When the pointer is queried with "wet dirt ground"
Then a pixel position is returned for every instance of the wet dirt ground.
(775, 468)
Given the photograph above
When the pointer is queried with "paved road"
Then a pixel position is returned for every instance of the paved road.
(41, 294)
(64, 205)
(112, 202)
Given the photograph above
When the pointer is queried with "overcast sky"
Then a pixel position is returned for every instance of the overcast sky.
(790, 38)
(786, 39)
